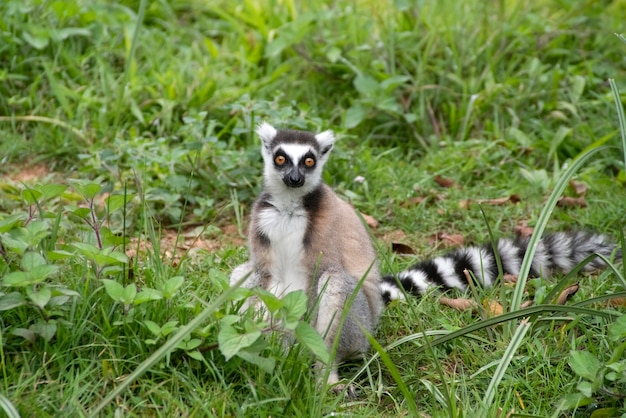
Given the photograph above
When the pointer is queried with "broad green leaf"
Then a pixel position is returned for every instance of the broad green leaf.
(26, 278)
(196, 355)
(36, 40)
(11, 300)
(15, 278)
(310, 338)
(130, 292)
(272, 302)
(116, 201)
(153, 327)
(617, 330)
(171, 286)
(37, 231)
(31, 196)
(169, 327)
(87, 189)
(45, 330)
(50, 191)
(11, 221)
(64, 33)
(294, 308)
(584, 364)
(231, 342)
(585, 387)
(58, 255)
(27, 334)
(15, 240)
(264, 363)
(146, 295)
(113, 289)
(366, 85)
(31, 260)
(39, 297)
(355, 115)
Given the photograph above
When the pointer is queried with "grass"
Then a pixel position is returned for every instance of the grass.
(142, 115)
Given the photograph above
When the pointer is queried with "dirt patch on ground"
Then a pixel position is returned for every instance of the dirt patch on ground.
(174, 244)
(28, 173)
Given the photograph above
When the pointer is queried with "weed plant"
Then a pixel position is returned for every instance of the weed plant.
(138, 118)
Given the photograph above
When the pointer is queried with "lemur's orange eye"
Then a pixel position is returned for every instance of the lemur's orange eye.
(309, 162)
(280, 159)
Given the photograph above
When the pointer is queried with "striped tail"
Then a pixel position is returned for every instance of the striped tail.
(558, 252)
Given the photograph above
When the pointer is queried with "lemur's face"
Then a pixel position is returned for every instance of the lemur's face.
(294, 158)
(294, 162)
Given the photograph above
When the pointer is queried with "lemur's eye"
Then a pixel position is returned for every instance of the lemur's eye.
(309, 162)
(280, 159)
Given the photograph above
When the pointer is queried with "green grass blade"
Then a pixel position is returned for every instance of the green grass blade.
(8, 408)
(167, 347)
(620, 116)
(563, 181)
(516, 342)
(395, 373)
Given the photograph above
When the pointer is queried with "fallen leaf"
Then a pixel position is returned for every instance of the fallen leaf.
(448, 240)
(523, 230)
(444, 182)
(493, 308)
(465, 203)
(565, 294)
(572, 202)
(460, 304)
(399, 248)
(579, 187)
(370, 221)
(509, 278)
(617, 302)
(412, 201)
(500, 201)
(526, 304)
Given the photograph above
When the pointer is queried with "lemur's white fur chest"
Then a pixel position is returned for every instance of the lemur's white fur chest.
(285, 225)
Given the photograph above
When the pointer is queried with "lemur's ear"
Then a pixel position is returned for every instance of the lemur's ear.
(326, 140)
(267, 133)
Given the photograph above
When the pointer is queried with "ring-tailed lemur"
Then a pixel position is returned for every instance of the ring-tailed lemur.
(302, 236)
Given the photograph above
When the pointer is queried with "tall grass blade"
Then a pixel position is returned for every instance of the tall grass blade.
(8, 408)
(563, 181)
(620, 116)
(409, 397)
(515, 343)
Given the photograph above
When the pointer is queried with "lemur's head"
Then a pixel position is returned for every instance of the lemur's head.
(294, 159)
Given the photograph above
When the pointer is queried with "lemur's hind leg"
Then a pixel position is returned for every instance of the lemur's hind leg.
(335, 289)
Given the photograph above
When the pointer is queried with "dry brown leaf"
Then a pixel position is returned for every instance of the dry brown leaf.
(493, 307)
(526, 304)
(565, 294)
(500, 201)
(523, 230)
(509, 278)
(370, 221)
(579, 187)
(465, 203)
(412, 201)
(572, 202)
(400, 248)
(444, 182)
(617, 302)
(448, 240)
(460, 304)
